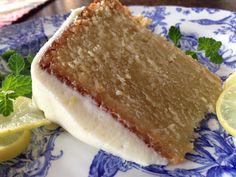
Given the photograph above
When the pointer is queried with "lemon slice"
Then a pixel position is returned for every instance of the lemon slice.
(25, 116)
(13, 145)
(230, 81)
(226, 109)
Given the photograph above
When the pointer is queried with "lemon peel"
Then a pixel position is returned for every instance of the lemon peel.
(230, 81)
(13, 145)
(226, 109)
(25, 116)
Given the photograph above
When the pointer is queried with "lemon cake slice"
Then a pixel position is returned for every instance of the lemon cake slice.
(115, 85)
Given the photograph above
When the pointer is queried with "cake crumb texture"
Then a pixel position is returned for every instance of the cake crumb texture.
(146, 83)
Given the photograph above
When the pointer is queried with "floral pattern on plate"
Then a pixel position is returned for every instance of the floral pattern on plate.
(214, 150)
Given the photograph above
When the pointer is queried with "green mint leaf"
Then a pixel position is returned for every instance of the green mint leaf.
(16, 63)
(208, 43)
(28, 61)
(26, 71)
(6, 105)
(7, 54)
(15, 84)
(30, 58)
(193, 54)
(18, 85)
(175, 35)
(24, 85)
(211, 48)
(216, 58)
(9, 83)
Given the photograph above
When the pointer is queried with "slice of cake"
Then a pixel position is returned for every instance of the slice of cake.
(115, 85)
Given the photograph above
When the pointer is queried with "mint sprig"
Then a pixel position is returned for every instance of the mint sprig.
(17, 82)
(16, 63)
(193, 54)
(19, 85)
(6, 104)
(208, 46)
(175, 35)
(211, 48)
(7, 54)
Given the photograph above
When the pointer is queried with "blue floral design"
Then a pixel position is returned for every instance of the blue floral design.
(158, 15)
(27, 38)
(202, 9)
(56, 21)
(214, 154)
(37, 159)
(227, 25)
(178, 9)
(22, 36)
(189, 42)
(110, 165)
(212, 137)
(183, 11)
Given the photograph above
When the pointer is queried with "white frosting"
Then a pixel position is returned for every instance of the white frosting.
(81, 117)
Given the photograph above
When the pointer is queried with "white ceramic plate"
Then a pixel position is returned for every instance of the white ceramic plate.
(55, 153)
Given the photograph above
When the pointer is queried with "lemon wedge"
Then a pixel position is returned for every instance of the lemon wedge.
(230, 81)
(12, 145)
(25, 117)
(226, 109)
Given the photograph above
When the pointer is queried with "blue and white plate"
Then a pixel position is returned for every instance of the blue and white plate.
(55, 153)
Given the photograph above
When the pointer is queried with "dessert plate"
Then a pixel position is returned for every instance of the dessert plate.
(53, 152)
